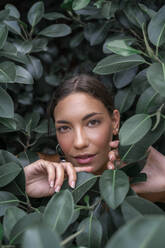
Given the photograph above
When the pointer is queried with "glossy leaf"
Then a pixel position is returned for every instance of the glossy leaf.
(80, 4)
(9, 123)
(12, 215)
(1, 232)
(13, 10)
(36, 13)
(116, 63)
(59, 211)
(134, 206)
(91, 233)
(157, 24)
(7, 199)
(23, 76)
(85, 181)
(124, 99)
(27, 221)
(55, 15)
(3, 35)
(141, 232)
(121, 47)
(156, 78)
(123, 78)
(134, 129)
(39, 45)
(150, 12)
(23, 46)
(4, 14)
(56, 30)
(8, 172)
(114, 186)
(35, 67)
(149, 101)
(6, 105)
(139, 83)
(40, 236)
(7, 72)
(13, 27)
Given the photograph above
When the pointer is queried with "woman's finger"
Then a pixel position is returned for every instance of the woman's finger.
(113, 155)
(48, 166)
(71, 172)
(114, 144)
(59, 176)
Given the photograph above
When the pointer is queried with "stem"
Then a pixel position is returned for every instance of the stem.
(67, 240)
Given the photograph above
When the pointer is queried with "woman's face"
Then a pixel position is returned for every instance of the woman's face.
(84, 129)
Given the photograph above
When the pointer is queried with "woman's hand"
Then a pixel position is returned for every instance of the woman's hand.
(43, 178)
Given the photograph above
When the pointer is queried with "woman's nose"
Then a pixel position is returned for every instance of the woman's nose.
(80, 139)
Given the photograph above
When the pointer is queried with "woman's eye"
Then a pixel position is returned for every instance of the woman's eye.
(93, 123)
(62, 129)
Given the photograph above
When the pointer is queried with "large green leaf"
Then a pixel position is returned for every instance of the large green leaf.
(124, 99)
(59, 211)
(7, 72)
(40, 236)
(6, 105)
(156, 77)
(123, 78)
(116, 63)
(23, 47)
(6, 200)
(114, 186)
(12, 215)
(23, 76)
(149, 101)
(139, 83)
(13, 27)
(156, 28)
(27, 221)
(141, 232)
(134, 206)
(134, 129)
(8, 172)
(80, 4)
(9, 123)
(56, 30)
(13, 11)
(84, 182)
(36, 13)
(3, 35)
(91, 234)
(121, 47)
(4, 14)
(39, 45)
(35, 67)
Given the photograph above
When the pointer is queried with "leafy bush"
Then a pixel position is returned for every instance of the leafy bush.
(123, 43)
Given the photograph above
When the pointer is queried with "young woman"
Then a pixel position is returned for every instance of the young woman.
(86, 121)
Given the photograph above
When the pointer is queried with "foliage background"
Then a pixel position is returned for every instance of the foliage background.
(122, 42)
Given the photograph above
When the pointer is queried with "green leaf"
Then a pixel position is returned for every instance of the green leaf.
(84, 182)
(13, 27)
(39, 45)
(8, 172)
(156, 78)
(116, 63)
(3, 35)
(139, 83)
(23, 76)
(4, 14)
(91, 233)
(124, 99)
(1, 233)
(123, 78)
(141, 232)
(7, 72)
(6, 200)
(35, 13)
(9, 123)
(149, 101)
(23, 46)
(13, 11)
(31, 120)
(157, 24)
(121, 47)
(6, 105)
(114, 186)
(42, 127)
(134, 129)
(35, 67)
(134, 206)
(59, 211)
(76, 40)
(55, 16)
(40, 236)
(148, 11)
(56, 30)
(12, 215)
(27, 221)
(80, 4)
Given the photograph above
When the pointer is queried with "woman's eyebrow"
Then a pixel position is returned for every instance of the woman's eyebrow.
(84, 118)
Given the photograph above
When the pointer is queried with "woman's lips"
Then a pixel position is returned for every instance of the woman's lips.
(86, 159)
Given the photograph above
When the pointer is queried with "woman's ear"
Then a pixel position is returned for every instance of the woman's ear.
(116, 121)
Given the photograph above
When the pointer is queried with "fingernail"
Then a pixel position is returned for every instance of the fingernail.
(57, 189)
(51, 184)
(110, 157)
(73, 184)
(110, 167)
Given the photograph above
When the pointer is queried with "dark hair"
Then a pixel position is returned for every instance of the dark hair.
(82, 83)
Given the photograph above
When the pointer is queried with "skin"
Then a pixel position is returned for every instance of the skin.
(86, 128)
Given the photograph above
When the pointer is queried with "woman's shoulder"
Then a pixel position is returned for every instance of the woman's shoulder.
(49, 157)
